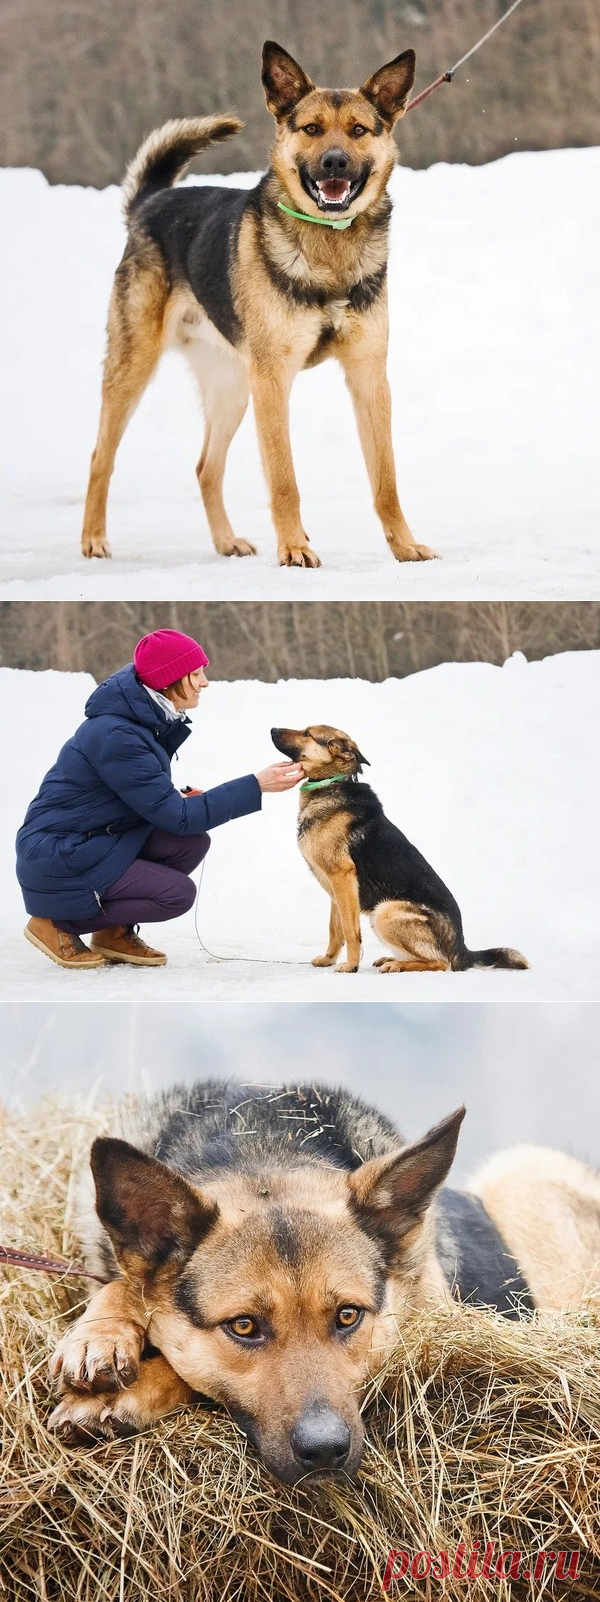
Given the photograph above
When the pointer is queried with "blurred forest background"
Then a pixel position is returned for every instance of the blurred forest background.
(273, 640)
(82, 81)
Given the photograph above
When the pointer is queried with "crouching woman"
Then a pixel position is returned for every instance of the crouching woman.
(109, 842)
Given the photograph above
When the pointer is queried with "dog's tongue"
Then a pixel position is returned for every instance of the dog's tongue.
(334, 188)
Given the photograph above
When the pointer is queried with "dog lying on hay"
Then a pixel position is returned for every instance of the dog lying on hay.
(254, 285)
(367, 865)
(264, 1248)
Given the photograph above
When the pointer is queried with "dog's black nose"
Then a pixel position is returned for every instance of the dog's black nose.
(321, 1440)
(334, 163)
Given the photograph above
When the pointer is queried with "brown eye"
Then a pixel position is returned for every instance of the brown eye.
(243, 1328)
(348, 1317)
(311, 128)
(358, 130)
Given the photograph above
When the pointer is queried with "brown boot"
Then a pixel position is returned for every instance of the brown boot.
(64, 948)
(123, 944)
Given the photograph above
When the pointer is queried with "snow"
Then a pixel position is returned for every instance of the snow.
(493, 365)
(492, 772)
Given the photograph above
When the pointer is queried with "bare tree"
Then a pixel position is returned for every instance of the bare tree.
(82, 81)
(371, 640)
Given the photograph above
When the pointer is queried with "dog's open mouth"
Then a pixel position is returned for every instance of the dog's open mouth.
(332, 194)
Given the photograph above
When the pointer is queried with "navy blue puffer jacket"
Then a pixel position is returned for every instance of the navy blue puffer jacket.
(109, 788)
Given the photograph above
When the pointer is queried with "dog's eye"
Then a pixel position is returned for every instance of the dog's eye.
(349, 1317)
(311, 128)
(358, 130)
(244, 1328)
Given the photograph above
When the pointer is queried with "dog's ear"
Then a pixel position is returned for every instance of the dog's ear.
(392, 1193)
(345, 747)
(284, 82)
(389, 89)
(152, 1215)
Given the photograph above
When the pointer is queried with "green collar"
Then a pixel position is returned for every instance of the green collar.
(323, 222)
(321, 784)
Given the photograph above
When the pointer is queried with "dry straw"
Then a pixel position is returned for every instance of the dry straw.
(481, 1430)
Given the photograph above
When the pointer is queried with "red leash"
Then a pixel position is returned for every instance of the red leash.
(446, 77)
(45, 1265)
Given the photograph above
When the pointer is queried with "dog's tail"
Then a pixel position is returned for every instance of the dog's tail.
(167, 152)
(494, 957)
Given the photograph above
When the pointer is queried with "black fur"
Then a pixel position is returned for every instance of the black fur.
(389, 868)
(227, 1126)
(196, 232)
(474, 1257)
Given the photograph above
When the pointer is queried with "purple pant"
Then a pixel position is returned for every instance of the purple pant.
(155, 888)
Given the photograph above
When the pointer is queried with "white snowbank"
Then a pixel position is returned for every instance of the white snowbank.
(493, 364)
(488, 770)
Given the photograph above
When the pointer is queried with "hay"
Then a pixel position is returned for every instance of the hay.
(482, 1430)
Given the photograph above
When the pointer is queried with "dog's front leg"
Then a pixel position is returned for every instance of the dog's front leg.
(270, 394)
(101, 1351)
(345, 889)
(79, 1420)
(336, 939)
(363, 359)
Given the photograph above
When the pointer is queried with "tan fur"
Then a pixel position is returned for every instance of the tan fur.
(279, 337)
(546, 1205)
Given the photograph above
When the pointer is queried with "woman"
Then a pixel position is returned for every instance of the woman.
(108, 841)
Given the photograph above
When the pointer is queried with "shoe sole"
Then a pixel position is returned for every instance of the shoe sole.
(61, 962)
(136, 962)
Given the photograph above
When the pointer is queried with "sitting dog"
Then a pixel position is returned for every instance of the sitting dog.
(366, 865)
(265, 1247)
(253, 285)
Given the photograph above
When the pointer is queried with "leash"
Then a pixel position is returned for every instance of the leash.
(12, 1258)
(265, 962)
(444, 77)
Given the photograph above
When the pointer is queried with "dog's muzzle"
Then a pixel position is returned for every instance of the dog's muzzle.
(333, 184)
(286, 748)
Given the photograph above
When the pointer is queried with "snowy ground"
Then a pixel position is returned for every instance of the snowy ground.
(488, 770)
(493, 281)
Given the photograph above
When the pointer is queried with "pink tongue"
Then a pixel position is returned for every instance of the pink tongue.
(334, 188)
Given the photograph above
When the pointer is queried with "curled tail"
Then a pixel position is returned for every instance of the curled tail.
(494, 957)
(167, 152)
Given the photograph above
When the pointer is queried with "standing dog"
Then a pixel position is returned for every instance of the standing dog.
(251, 293)
(269, 1246)
(366, 865)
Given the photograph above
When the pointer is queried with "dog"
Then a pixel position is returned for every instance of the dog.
(367, 865)
(264, 1249)
(252, 293)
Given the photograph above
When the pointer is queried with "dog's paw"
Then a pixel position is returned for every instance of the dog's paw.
(323, 962)
(82, 1420)
(390, 965)
(346, 967)
(379, 962)
(415, 553)
(237, 547)
(92, 1357)
(95, 545)
(299, 556)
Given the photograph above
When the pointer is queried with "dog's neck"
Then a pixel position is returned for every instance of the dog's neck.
(350, 254)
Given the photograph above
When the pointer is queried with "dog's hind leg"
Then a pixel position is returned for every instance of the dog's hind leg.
(158, 1390)
(336, 939)
(363, 359)
(225, 390)
(412, 934)
(135, 327)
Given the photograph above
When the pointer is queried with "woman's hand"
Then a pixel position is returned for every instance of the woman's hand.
(281, 776)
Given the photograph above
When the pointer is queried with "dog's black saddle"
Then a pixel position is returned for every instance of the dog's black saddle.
(475, 1259)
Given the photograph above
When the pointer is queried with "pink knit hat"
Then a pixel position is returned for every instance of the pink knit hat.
(161, 658)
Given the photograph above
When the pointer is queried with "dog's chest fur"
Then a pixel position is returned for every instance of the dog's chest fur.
(323, 829)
